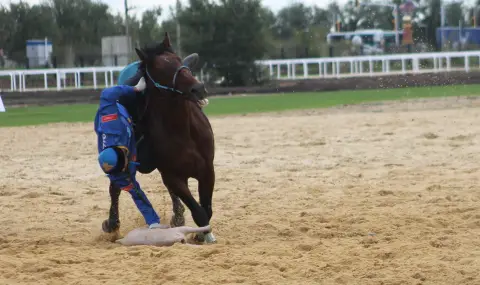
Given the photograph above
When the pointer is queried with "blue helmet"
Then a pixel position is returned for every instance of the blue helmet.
(128, 72)
(108, 160)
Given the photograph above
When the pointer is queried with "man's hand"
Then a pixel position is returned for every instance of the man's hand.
(141, 85)
(203, 103)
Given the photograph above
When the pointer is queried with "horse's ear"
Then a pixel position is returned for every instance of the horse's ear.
(166, 41)
(191, 61)
(141, 54)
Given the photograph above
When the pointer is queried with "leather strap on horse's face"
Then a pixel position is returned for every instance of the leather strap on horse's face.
(172, 89)
(159, 86)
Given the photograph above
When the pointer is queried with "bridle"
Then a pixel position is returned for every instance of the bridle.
(172, 89)
(160, 86)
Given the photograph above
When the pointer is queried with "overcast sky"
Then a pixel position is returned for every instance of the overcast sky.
(118, 5)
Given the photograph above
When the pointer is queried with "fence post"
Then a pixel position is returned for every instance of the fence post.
(94, 79)
(59, 82)
(467, 64)
(45, 80)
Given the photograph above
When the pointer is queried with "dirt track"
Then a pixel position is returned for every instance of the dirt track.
(361, 195)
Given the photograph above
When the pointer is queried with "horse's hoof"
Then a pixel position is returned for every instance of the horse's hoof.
(110, 227)
(199, 238)
(210, 238)
(205, 238)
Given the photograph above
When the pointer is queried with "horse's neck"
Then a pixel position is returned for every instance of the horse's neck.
(173, 116)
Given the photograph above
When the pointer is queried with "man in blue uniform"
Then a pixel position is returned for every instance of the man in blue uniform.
(116, 146)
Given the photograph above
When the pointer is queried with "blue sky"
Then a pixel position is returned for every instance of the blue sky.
(118, 5)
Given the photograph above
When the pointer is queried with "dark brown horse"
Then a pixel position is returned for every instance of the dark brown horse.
(177, 136)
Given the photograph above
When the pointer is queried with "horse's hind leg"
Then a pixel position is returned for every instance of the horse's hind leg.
(113, 222)
(178, 218)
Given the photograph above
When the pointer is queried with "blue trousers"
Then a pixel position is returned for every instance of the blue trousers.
(126, 181)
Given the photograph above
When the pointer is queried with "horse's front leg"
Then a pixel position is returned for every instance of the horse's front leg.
(113, 222)
(206, 185)
(179, 188)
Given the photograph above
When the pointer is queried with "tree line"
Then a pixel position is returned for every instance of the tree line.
(228, 34)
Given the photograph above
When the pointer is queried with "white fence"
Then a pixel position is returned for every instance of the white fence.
(287, 69)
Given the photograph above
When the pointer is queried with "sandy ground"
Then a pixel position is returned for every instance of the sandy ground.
(382, 194)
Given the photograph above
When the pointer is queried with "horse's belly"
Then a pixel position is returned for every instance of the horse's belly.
(187, 163)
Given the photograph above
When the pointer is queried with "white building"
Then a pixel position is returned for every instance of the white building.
(39, 52)
(116, 50)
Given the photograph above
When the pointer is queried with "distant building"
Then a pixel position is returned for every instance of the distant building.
(39, 52)
(116, 50)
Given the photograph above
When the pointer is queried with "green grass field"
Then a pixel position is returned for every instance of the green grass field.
(243, 104)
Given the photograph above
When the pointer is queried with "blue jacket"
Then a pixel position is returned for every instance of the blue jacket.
(113, 123)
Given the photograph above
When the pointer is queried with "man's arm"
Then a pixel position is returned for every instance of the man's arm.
(114, 93)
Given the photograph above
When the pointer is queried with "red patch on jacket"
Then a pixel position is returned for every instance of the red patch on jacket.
(108, 118)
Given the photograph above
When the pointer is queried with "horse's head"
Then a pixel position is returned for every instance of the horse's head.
(165, 71)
